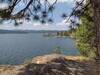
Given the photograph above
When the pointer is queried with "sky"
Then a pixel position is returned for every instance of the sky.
(62, 6)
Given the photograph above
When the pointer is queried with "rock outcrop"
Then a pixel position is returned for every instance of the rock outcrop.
(54, 64)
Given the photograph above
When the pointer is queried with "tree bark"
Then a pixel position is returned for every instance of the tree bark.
(96, 7)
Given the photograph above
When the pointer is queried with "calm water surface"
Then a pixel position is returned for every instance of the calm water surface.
(17, 48)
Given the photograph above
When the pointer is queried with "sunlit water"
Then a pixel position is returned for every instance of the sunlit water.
(17, 48)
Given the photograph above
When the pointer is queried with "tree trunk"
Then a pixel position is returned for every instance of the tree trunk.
(96, 7)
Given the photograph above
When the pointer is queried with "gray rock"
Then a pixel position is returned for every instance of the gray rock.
(53, 64)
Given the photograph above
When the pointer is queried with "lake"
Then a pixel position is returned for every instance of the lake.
(17, 48)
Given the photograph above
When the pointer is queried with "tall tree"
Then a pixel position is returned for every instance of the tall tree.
(96, 19)
(96, 7)
(85, 34)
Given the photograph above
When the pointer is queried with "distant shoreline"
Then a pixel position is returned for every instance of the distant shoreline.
(28, 31)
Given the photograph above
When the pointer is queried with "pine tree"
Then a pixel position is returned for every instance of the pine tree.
(96, 7)
(85, 33)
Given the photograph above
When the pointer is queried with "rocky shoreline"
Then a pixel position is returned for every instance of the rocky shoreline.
(53, 64)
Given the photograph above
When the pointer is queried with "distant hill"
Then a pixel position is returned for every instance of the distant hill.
(27, 31)
(12, 31)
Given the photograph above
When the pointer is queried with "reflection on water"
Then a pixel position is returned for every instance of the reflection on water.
(16, 48)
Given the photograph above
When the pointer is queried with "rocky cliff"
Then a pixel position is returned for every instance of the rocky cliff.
(53, 64)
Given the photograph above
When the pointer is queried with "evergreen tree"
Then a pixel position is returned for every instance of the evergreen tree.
(85, 33)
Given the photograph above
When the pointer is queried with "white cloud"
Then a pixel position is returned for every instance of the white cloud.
(64, 22)
(69, 1)
(36, 26)
(58, 1)
(3, 5)
(63, 0)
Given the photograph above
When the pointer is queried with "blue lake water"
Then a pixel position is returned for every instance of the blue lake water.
(17, 48)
